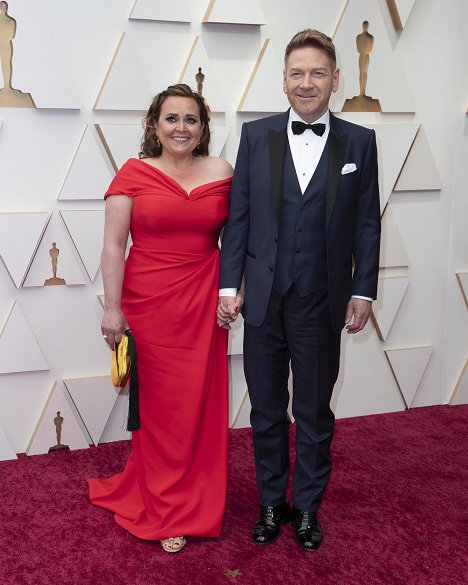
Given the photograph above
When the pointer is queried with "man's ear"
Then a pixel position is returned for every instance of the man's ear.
(336, 80)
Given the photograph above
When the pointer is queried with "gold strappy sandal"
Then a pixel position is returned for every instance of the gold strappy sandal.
(173, 545)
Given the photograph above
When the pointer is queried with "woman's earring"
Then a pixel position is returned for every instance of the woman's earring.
(158, 144)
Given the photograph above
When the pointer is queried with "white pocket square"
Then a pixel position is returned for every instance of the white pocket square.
(348, 168)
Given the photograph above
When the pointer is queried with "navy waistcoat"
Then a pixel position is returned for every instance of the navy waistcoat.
(301, 254)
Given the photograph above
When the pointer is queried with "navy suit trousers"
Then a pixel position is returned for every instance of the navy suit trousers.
(296, 333)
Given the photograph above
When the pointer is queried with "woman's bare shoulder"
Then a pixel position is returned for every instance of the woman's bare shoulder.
(219, 167)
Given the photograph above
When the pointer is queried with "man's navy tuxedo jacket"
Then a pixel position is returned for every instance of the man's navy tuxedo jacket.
(352, 215)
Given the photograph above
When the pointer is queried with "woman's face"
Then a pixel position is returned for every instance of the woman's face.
(179, 126)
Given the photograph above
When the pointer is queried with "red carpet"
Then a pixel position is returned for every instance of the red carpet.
(395, 513)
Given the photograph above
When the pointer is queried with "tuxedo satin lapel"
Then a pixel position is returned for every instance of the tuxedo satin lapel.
(336, 154)
(277, 145)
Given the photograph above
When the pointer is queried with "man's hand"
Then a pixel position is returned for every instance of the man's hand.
(357, 314)
(228, 310)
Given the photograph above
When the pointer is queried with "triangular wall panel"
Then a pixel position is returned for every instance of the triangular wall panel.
(94, 399)
(365, 383)
(172, 10)
(263, 91)
(121, 141)
(408, 365)
(393, 144)
(460, 392)
(19, 350)
(386, 78)
(125, 86)
(116, 425)
(219, 136)
(211, 88)
(45, 435)
(385, 308)
(41, 271)
(23, 395)
(392, 249)
(6, 450)
(400, 11)
(239, 12)
(160, 72)
(236, 337)
(241, 419)
(90, 171)
(462, 278)
(86, 229)
(20, 234)
(237, 392)
(419, 172)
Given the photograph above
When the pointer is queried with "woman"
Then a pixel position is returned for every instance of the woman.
(174, 202)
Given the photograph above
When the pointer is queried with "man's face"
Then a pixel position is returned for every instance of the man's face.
(308, 82)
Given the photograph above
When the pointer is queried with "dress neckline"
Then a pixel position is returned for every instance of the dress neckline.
(187, 193)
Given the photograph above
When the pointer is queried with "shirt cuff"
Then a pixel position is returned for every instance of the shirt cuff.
(227, 292)
(363, 298)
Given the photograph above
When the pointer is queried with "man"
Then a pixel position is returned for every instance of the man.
(304, 205)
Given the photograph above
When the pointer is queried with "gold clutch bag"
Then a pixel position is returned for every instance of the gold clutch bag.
(123, 367)
(121, 363)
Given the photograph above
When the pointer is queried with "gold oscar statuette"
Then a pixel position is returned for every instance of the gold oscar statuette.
(54, 254)
(58, 422)
(10, 97)
(363, 102)
(200, 78)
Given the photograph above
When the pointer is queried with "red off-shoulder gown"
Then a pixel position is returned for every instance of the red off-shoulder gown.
(174, 482)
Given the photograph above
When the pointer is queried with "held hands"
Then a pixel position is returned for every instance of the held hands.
(112, 326)
(228, 310)
(357, 314)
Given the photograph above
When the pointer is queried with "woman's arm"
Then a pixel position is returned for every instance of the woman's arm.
(116, 229)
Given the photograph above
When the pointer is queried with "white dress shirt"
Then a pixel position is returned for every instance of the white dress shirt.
(307, 148)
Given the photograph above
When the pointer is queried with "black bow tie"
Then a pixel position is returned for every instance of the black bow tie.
(299, 127)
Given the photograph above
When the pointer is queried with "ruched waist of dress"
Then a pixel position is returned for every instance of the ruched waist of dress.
(172, 256)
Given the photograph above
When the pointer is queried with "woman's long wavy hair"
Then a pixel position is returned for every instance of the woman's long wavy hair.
(150, 145)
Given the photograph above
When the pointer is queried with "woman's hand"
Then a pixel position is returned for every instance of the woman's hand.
(228, 310)
(112, 326)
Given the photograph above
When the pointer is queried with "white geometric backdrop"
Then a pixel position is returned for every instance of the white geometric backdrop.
(92, 68)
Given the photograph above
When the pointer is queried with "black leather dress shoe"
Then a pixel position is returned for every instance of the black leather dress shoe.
(267, 527)
(309, 533)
